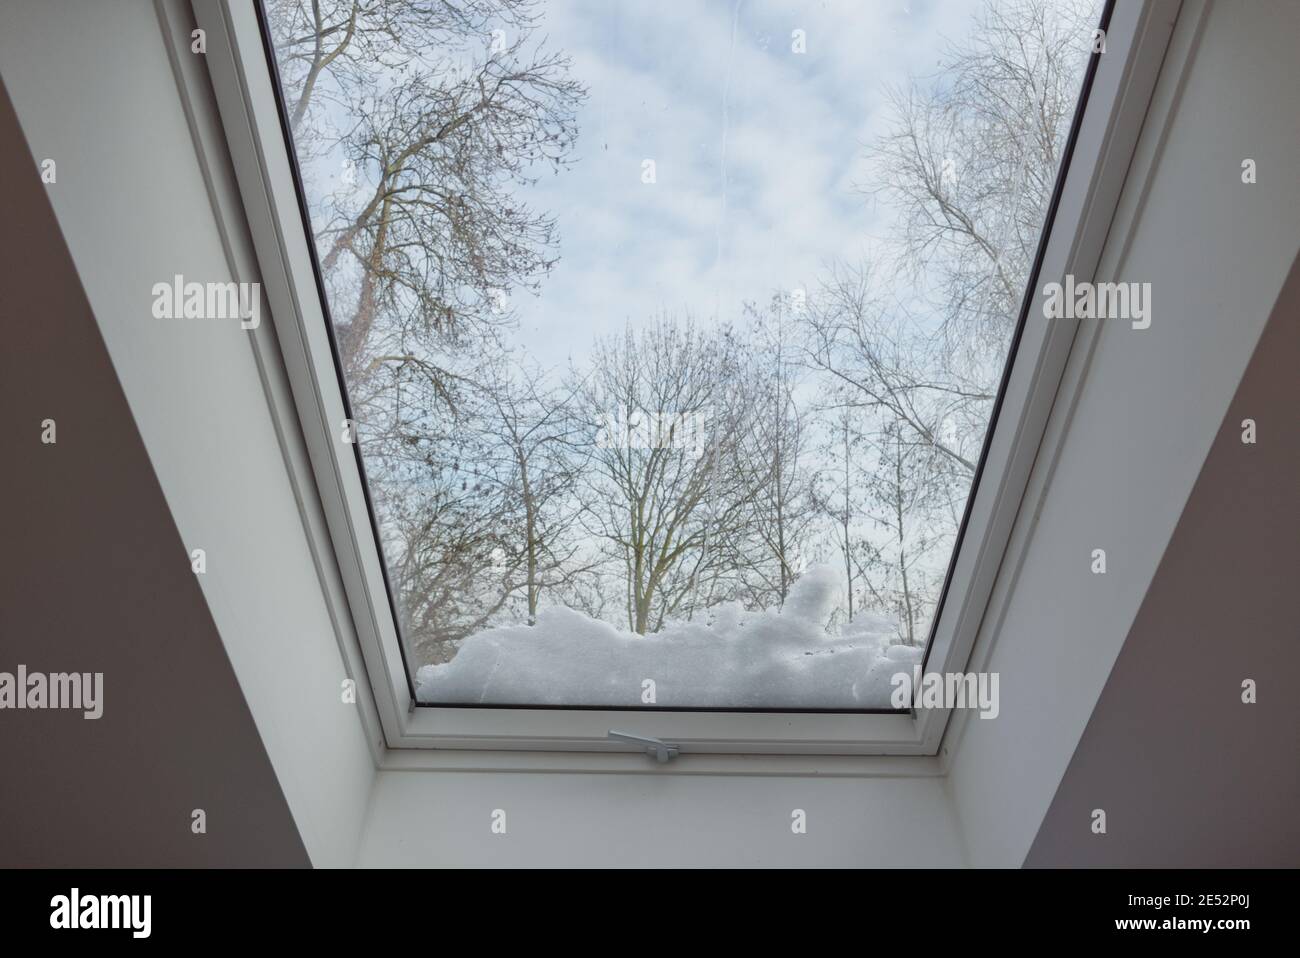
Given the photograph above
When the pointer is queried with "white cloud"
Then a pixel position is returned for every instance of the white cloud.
(794, 127)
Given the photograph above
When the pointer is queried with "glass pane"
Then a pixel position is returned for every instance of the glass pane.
(672, 331)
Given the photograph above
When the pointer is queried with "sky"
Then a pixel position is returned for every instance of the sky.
(757, 151)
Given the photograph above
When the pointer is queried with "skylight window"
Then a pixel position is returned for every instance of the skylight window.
(672, 334)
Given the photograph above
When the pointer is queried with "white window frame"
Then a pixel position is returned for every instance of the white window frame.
(1105, 138)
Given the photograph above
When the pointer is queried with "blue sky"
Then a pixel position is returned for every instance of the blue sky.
(757, 151)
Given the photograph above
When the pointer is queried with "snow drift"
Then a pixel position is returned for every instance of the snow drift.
(738, 659)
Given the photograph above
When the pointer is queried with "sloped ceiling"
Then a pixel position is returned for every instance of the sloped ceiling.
(94, 577)
(1187, 773)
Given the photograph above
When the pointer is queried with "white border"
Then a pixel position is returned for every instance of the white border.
(241, 83)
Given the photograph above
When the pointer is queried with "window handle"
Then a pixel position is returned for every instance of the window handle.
(661, 750)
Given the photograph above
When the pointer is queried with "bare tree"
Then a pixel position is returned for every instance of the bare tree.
(440, 112)
(877, 359)
(667, 413)
(440, 505)
(836, 497)
(453, 107)
(329, 50)
(539, 450)
(904, 493)
(971, 157)
(966, 167)
(774, 453)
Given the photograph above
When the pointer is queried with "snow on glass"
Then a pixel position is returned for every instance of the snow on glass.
(672, 332)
